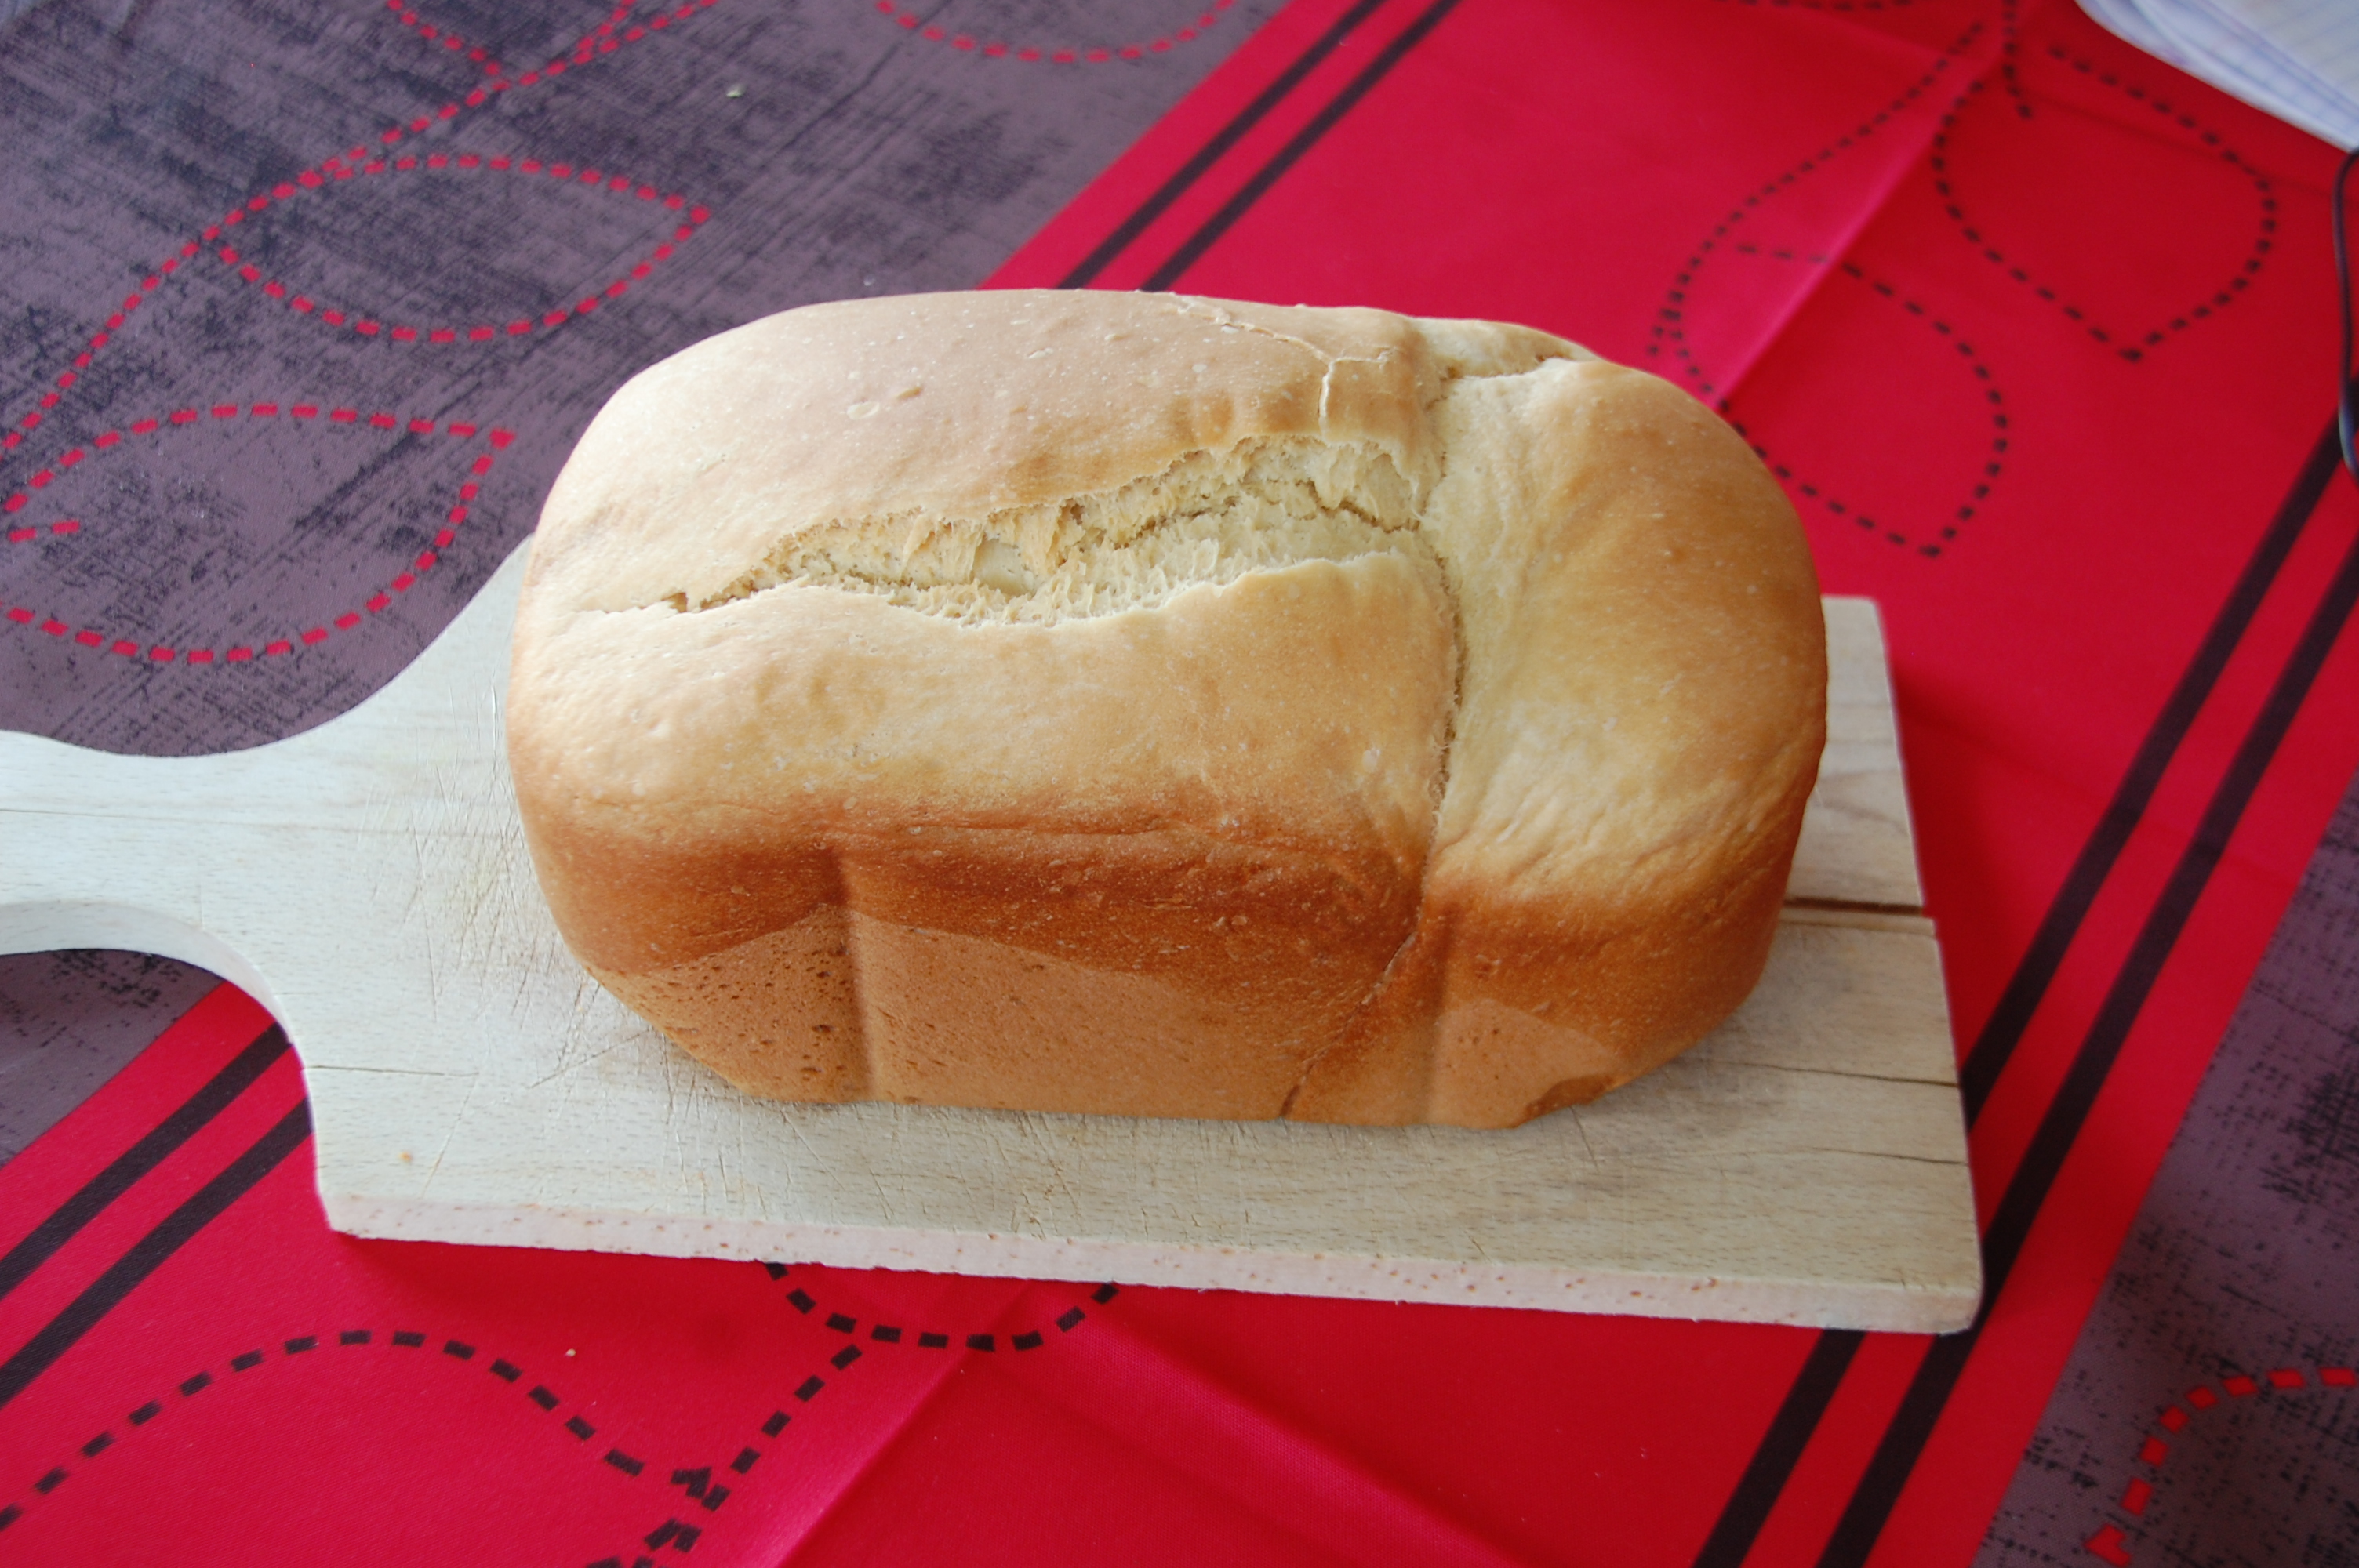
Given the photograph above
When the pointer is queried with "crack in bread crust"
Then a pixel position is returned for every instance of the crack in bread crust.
(1208, 519)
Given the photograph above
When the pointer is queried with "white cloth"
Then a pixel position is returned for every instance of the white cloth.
(2298, 59)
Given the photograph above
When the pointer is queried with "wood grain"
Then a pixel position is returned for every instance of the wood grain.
(367, 881)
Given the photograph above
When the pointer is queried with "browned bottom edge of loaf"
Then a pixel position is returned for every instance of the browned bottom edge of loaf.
(841, 1006)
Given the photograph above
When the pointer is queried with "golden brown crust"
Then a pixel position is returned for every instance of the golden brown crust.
(1169, 708)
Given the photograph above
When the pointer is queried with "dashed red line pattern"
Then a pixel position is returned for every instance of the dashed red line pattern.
(114, 642)
(911, 19)
(2111, 1542)
(26, 536)
(607, 38)
(429, 32)
(358, 163)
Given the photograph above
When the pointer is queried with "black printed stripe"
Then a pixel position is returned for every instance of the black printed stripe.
(1780, 1450)
(1912, 1427)
(1781, 1446)
(152, 1149)
(1219, 223)
(148, 1254)
(1212, 151)
(2004, 1030)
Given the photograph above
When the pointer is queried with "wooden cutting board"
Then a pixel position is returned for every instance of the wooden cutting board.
(367, 881)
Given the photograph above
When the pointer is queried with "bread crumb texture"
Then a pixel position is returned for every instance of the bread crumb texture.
(1208, 519)
(1141, 705)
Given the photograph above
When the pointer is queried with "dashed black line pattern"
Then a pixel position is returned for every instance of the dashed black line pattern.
(245, 1361)
(1669, 332)
(1993, 464)
(1670, 327)
(2009, 52)
(673, 1532)
(1065, 1321)
(2263, 242)
(696, 1482)
(1836, 5)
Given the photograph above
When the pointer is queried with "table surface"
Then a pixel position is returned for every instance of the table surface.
(308, 304)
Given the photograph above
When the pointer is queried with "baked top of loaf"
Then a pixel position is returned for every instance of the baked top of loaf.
(1428, 703)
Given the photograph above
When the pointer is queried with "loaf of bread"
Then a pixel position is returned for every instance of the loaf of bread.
(1151, 705)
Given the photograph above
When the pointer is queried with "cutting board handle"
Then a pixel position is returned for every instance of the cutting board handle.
(164, 855)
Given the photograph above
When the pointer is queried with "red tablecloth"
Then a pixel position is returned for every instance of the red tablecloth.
(2035, 330)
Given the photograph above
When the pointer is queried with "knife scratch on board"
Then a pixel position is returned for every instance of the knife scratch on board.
(1595, 1165)
(457, 1118)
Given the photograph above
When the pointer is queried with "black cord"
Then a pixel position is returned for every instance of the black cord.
(2344, 415)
